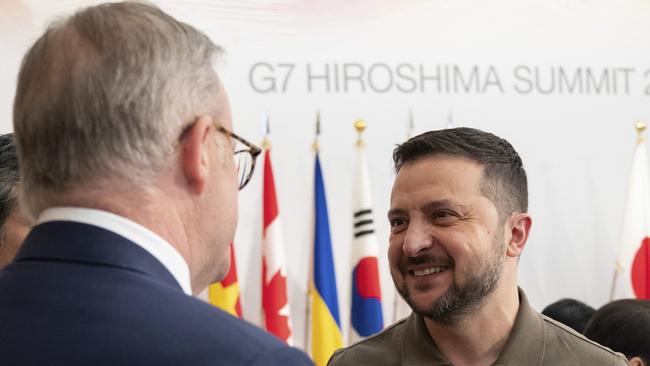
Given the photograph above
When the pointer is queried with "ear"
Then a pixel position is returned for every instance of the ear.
(519, 225)
(195, 154)
(636, 361)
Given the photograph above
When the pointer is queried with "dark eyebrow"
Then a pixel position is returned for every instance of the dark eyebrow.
(395, 212)
(429, 206)
(432, 205)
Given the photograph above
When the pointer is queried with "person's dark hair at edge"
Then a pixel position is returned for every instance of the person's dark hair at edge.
(504, 178)
(623, 326)
(570, 312)
(9, 177)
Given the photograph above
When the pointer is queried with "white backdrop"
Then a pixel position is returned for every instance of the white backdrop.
(562, 80)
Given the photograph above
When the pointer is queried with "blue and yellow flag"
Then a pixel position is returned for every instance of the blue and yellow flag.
(326, 334)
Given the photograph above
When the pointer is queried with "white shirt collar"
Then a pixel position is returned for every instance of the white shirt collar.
(140, 235)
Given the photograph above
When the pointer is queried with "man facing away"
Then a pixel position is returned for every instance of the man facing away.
(124, 135)
(459, 222)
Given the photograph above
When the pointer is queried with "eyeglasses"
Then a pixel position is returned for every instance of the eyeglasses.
(244, 158)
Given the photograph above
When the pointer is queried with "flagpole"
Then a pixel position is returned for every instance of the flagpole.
(410, 125)
(316, 148)
(265, 147)
(360, 126)
(450, 121)
(640, 126)
(316, 145)
(266, 143)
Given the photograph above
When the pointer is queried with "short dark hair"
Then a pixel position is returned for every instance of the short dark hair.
(623, 326)
(9, 178)
(504, 178)
(570, 312)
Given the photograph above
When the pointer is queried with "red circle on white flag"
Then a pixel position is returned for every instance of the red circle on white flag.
(641, 270)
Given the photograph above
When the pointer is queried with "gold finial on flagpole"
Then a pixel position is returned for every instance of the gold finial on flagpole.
(640, 127)
(316, 145)
(360, 125)
(266, 143)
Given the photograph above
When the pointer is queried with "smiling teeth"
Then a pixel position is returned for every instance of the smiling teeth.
(429, 271)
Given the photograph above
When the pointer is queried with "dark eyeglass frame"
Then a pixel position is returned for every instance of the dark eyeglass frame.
(252, 149)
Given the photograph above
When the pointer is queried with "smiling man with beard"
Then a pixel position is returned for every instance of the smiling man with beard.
(459, 223)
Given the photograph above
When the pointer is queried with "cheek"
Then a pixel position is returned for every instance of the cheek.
(395, 251)
(459, 247)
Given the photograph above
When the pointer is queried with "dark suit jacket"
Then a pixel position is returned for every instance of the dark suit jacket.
(81, 295)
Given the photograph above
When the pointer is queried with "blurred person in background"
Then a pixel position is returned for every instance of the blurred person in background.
(14, 226)
(571, 312)
(623, 326)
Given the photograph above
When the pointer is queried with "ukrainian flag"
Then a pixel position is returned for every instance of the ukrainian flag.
(326, 334)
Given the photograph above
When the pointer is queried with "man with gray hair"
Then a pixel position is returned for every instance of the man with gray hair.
(13, 224)
(126, 149)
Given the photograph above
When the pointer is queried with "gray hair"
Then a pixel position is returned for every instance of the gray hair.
(9, 179)
(103, 96)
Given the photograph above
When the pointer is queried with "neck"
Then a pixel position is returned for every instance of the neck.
(478, 338)
(145, 208)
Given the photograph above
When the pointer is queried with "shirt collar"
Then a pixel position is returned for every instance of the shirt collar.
(418, 348)
(158, 247)
(526, 340)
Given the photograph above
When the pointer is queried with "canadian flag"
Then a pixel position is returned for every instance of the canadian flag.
(275, 303)
(632, 278)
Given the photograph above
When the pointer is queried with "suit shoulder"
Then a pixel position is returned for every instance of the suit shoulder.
(285, 356)
(225, 325)
(383, 348)
(560, 335)
(235, 340)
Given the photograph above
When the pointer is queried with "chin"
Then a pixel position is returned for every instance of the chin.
(423, 302)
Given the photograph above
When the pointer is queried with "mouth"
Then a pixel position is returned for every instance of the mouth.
(428, 271)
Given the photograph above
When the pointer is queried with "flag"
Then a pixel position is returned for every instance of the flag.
(275, 303)
(325, 325)
(225, 294)
(366, 313)
(632, 278)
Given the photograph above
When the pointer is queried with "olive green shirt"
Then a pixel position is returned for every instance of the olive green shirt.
(534, 340)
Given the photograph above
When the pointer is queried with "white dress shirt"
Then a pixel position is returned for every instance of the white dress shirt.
(140, 235)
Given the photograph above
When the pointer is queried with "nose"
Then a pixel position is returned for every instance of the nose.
(417, 239)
